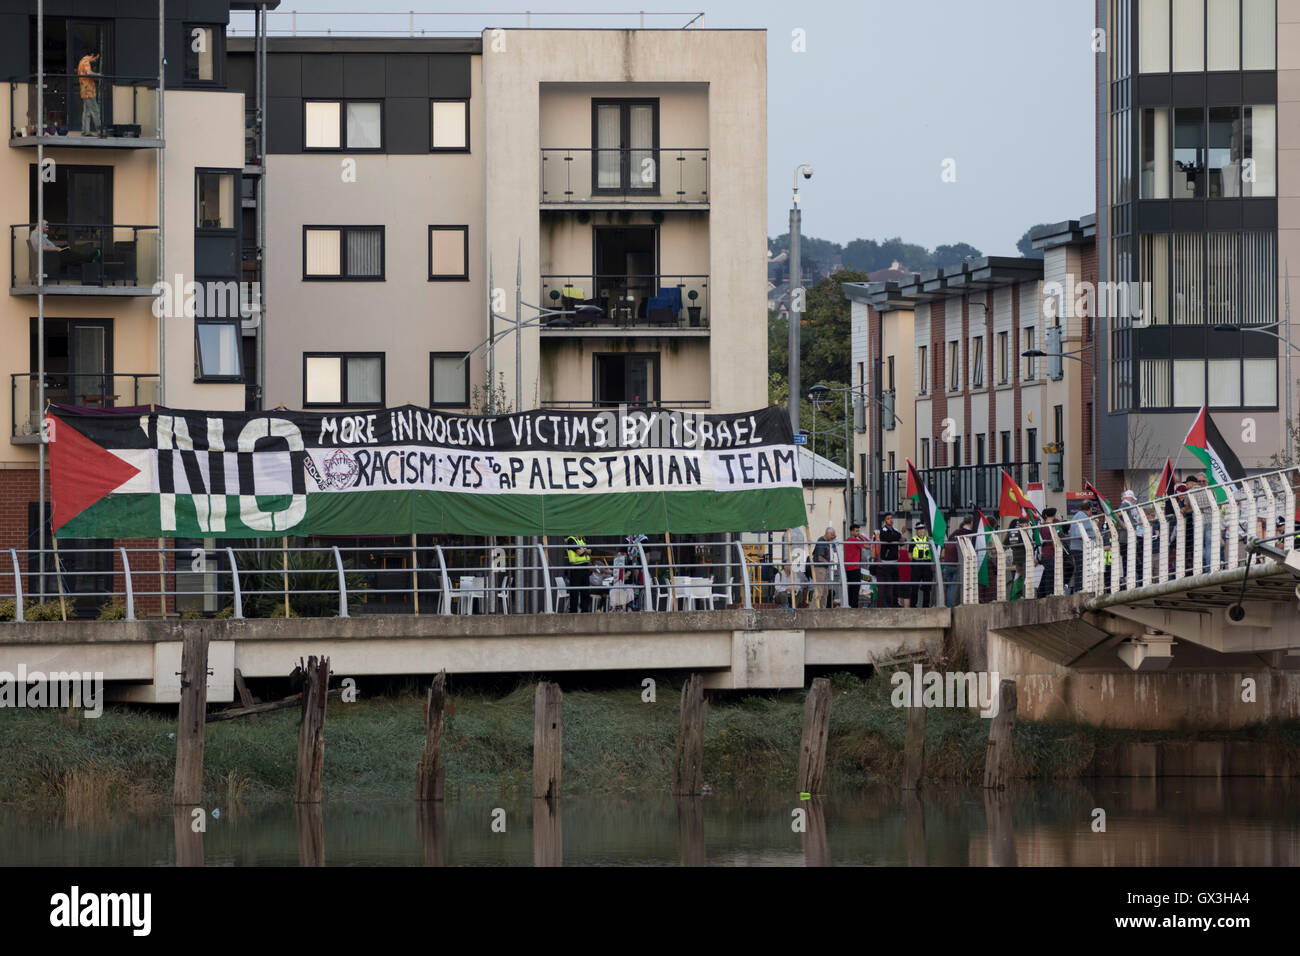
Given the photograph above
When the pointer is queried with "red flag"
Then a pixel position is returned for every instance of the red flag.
(1167, 480)
(1014, 503)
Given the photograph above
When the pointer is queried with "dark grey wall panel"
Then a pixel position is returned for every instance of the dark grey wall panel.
(13, 45)
(363, 76)
(284, 75)
(283, 124)
(406, 124)
(449, 75)
(241, 74)
(322, 76)
(407, 75)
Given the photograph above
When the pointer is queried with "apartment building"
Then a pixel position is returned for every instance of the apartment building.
(1196, 179)
(940, 359)
(604, 187)
(137, 190)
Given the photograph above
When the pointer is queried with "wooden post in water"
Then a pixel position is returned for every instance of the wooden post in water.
(548, 834)
(998, 760)
(432, 771)
(816, 851)
(187, 786)
(433, 824)
(548, 735)
(816, 728)
(311, 732)
(914, 748)
(310, 821)
(688, 772)
(914, 828)
(189, 841)
(690, 830)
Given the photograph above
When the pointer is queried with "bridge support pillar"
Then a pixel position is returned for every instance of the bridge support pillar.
(761, 659)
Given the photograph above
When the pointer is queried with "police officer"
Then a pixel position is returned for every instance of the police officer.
(579, 558)
(887, 572)
(922, 569)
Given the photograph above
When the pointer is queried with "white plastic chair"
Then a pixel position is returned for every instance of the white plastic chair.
(724, 595)
(470, 590)
(561, 592)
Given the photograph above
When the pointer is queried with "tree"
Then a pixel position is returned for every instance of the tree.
(1026, 246)
(955, 254)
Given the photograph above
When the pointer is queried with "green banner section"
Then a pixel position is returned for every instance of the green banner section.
(444, 512)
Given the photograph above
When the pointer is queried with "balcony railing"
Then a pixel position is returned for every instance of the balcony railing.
(120, 259)
(961, 487)
(89, 389)
(652, 176)
(628, 301)
(127, 108)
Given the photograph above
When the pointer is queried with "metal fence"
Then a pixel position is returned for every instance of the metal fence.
(1138, 545)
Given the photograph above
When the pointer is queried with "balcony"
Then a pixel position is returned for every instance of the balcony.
(93, 390)
(617, 178)
(959, 488)
(676, 306)
(128, 110)
(90, 259)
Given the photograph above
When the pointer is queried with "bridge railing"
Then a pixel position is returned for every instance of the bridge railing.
(1136, 545)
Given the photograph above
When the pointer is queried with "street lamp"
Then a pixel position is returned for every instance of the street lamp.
(1263, 330)
(1039, 353)
(796, 297)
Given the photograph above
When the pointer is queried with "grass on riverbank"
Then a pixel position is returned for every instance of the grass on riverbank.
(613, 742)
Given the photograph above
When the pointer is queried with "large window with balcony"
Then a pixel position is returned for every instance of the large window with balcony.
(625, 136)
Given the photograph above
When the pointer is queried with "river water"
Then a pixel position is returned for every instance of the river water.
(1164, 822)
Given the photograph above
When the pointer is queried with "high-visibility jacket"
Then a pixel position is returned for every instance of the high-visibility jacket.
(920, 548)
(574, 545)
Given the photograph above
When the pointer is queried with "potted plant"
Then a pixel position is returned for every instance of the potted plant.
(693, 310)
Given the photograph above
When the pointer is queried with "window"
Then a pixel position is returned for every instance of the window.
(1225, 383)
(1258, 35)
(1258, 151)
(1004, 357)
(215, 198)
(893, 463)
(448, 253)
(216, 351)
(204, 53)
(448, 380)
(891, 373)
(1259, 376)
(977, 362)
(1058, 424)
(1005, 441)
(343, 124)
(1189, 153)
(954, 366)
(625, 135)
(1153, 36)
(1189, 383)
(1153, 162)
(1189, 36)
(925, 453)
(1029, 336)
(1031, 444)
(626, 378)
(353, 379)
(1223, 35)
(981, 449)
(922, 370)
(449, 126)
(343, 252)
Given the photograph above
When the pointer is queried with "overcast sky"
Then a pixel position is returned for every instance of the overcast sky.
(883, 95)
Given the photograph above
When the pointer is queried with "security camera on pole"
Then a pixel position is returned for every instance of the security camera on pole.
(796, 297)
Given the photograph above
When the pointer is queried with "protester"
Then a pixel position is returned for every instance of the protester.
(784, 586)
(1186, 525)
(853, 563)
(1081, 529)
(821, 569)
(889, 573)
(1047, 558)
(950, 559)
(1130, 508)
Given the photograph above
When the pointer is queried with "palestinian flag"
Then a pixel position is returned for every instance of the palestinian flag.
(1167, 480)
(1095, 495)
(983, 531)
(155, 472)
(1212, 451)
(920, 495)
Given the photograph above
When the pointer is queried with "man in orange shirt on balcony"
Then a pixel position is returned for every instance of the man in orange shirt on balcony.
(89, 93)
